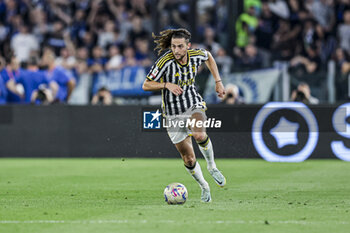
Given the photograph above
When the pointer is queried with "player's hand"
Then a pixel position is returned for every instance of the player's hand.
(175, 89)
(220, 89)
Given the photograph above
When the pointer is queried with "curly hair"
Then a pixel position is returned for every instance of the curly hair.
(163, 41)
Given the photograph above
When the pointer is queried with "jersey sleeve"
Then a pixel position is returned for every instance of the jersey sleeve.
(155, 73)
(159, 68)
(204, 54)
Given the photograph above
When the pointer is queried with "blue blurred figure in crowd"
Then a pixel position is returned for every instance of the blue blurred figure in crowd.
(31, 79)
(3, 91)
(61, 76)
(11, 72)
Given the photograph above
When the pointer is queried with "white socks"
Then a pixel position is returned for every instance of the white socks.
(207, 150)
(196, 173)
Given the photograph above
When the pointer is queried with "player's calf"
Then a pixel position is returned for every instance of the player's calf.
(206, 148)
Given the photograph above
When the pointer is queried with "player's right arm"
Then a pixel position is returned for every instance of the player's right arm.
(152, 83)
(149, 85)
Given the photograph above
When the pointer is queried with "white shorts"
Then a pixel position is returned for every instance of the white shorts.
(178, 133)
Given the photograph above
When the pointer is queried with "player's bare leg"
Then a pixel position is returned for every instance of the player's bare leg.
(206, 147)
(185, 149)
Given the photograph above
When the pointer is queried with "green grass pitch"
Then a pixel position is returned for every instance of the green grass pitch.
(126, 195)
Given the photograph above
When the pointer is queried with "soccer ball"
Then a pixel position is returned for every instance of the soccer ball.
(175, 193)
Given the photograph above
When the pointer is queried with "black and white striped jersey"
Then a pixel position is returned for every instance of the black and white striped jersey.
(168, 69)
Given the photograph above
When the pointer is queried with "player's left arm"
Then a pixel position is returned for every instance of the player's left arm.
(211, 64)
(70, 87)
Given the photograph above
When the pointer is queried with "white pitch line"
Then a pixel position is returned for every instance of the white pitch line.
(115, 221)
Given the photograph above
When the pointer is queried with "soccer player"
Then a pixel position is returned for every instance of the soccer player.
(174, 74)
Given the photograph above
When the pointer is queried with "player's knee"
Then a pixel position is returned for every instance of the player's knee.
(190, 161)
(199, 136)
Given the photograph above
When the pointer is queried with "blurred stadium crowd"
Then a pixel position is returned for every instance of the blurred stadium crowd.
(305, 33)
(53, 50)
